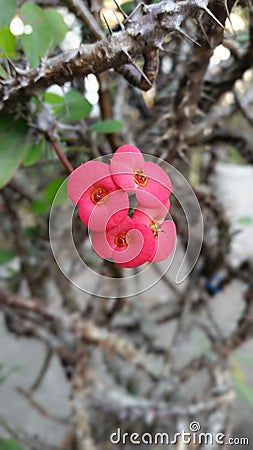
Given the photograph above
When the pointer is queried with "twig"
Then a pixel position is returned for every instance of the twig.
(141, 35)
(244, 110)
(85, 331)
(137, 408)
(36, 384)
(64, 160)
(83, 12)
(43, 411)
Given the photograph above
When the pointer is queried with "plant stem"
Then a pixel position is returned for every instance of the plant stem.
(64, 160)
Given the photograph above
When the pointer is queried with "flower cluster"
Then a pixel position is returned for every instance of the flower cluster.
(101, 192)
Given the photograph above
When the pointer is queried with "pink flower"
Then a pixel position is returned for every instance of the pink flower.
(129, 244)
(132, 173)
(91, 187)
(164, 232)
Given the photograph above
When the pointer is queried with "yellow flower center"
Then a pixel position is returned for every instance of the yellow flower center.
(99, 195)
(120, 239)
(139, 177)
(155, 227)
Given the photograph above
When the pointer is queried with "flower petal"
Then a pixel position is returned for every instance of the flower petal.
(101, 245)
(103, 242)
(121, 226)
(89, 174)
(165, 241)
(140, 247)
(123, 163)
(159, 185)
(135, 242)
(97, 218)
(157, 215)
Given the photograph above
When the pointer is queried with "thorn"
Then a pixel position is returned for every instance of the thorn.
(250, 5)
(137, 68)
(212, 16)
(107, 24)
(9, 63)
(160, 47)
(203, 31)
(140, 5)
(119, 22)
(120, 9)
(180, 31)
(229, 18)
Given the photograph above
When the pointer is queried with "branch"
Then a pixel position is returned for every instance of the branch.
(135, 408)
(64, 160)
(79, 8)
(85, 331)
(140, 36)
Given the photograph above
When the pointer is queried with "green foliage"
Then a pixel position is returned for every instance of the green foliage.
(52, 189)
(7, 43)
(5, 374)
(13, 146)
(53, 99)
(107, 126)
(241, 386)
(10, 444)
(242, 37)
(34, 153)
(57, 26)
(42, 205)
(235, 156)
(39, 206)
(71, 107)
(128, 7)
(48, 30)
(8, 9)
(5, 257)
(3, 73)
(244, 357)
(31, 232)
(246, 220)
(244, 390)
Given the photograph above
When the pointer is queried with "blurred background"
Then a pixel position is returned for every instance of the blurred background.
(107, 350)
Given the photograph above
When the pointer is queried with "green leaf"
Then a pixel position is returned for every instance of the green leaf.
(34, 153)
(57, 26)
(6, 256)
(48, 30)
(7, 43)
(10, 444)
(30, 232)
(243, 390)
(245, 220)
(75, 106)
(13, 146)
(37, 43)
(8, 9)
(39, 206)
(3, 73)
(52, 189)
(3, 378)
(53, 99)
(235, 156)
(128, 7)
(107, 126)
(242, 37)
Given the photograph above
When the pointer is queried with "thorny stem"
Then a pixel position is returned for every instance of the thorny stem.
(144, 34)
